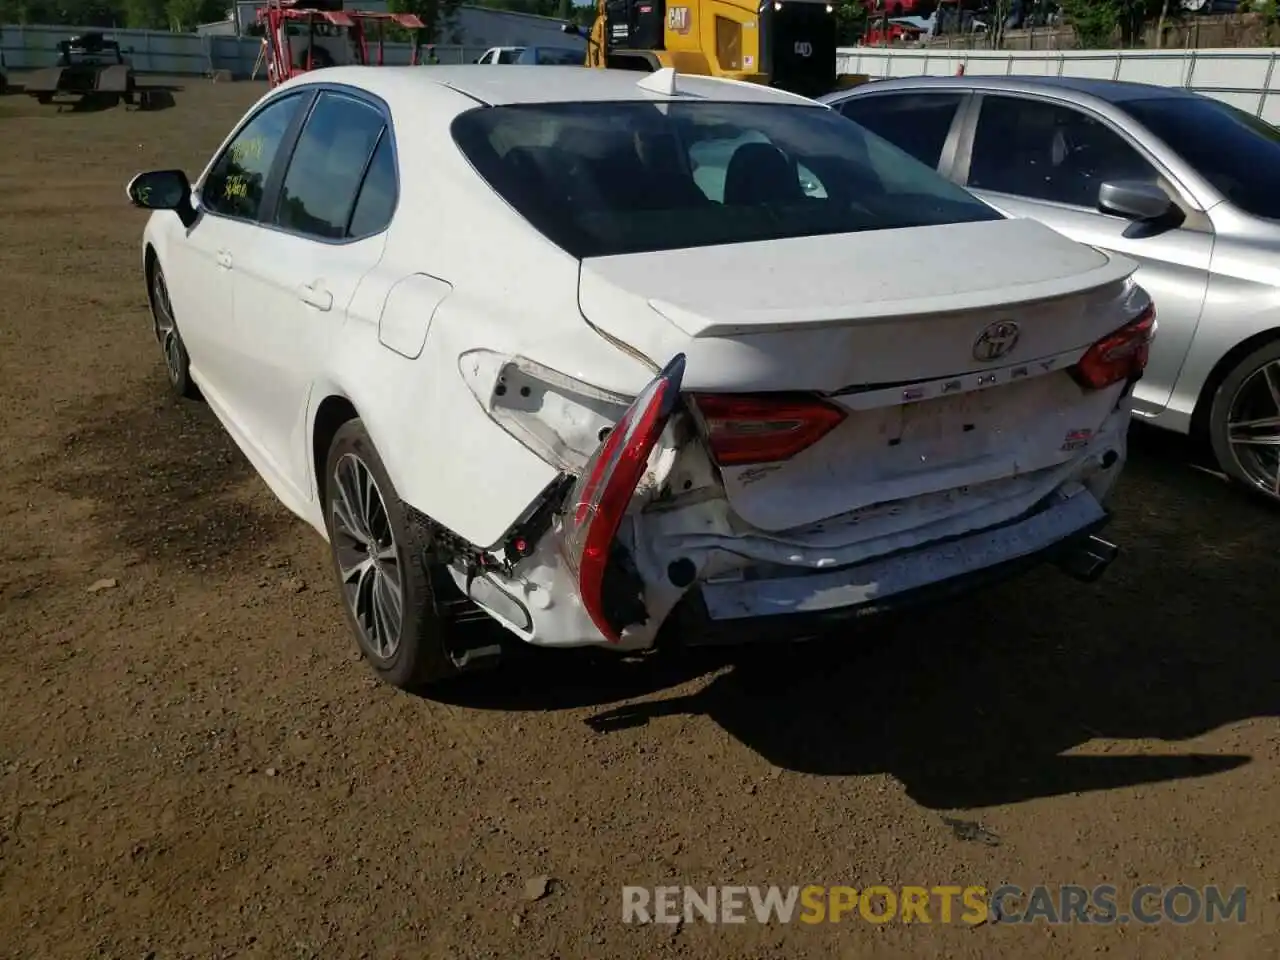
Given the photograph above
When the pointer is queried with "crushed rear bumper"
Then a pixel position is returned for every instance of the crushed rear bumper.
(806, 604)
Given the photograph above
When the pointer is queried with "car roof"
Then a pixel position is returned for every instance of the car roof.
(516, 83)
(1111, 91)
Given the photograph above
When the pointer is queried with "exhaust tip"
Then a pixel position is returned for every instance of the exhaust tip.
(682, 572)
(1088, 559)
(487, 594)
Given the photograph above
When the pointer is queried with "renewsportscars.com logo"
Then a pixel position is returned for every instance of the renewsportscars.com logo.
(970, 905)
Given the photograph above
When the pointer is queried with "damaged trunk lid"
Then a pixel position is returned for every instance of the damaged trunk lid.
(946, 351)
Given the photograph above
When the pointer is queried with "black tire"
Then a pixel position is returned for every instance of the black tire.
(1244, 395)
(420, 655)
(177, 363)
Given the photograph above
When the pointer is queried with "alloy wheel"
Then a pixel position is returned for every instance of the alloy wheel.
(365, 548)
(166, 328)
(1253, 428)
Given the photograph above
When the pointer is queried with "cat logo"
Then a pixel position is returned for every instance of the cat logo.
(803, 48)
(678, 19)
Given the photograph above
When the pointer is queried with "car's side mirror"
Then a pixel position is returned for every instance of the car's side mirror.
(163, 190)
(1135, 200)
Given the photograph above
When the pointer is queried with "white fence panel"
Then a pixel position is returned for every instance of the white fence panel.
(1247, 79)
(1030, 67)
(1241, 72)
(941, 66)
(1103, 67)
(1166, 71)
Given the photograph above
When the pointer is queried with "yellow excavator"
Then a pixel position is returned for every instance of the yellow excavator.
(789, 44)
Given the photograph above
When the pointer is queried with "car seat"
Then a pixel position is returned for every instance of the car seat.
(760, 173)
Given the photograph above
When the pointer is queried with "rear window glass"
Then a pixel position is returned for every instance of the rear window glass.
(600, 179)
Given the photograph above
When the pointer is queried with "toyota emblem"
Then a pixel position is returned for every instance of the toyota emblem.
(996, 341)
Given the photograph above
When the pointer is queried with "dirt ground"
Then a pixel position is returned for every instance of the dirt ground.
(193, 763)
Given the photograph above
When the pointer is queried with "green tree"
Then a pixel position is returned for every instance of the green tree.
(24, 11)
(437, 16)
(1096, 22)
(79, 13)
(851, 22)
(543, 8)
(145, 14)
(186, 15)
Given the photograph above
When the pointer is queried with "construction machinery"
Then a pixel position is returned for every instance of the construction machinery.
(788, 44)
(90, 70)
(298, 37)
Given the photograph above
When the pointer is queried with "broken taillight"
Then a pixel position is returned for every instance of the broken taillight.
(1118, 356)
(600, 497)
(764, 428)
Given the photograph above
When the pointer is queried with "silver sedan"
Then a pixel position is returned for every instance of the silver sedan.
(1187, 186)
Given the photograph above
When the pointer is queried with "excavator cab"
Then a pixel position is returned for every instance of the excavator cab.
(798, 43)
(789, 44)
(637, 24)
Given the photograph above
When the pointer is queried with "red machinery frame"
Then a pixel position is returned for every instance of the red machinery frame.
(278, 14)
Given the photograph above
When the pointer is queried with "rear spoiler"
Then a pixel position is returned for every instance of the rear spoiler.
(699, 324)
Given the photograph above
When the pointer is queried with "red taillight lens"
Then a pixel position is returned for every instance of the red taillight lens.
(600, 497)
(1118, 356)
(764, 428)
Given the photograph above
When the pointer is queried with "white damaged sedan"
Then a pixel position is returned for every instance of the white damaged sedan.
(619, 359)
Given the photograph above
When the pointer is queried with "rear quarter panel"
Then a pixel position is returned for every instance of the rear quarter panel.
(513, 292)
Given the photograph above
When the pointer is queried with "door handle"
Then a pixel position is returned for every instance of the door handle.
(316, 296)
(224, 259)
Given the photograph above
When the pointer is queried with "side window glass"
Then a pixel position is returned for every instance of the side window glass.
(916, 123)
(377, 200)
(327, 166)
(235, 183)
(1044, 151)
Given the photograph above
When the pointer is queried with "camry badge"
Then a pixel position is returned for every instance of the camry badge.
(996, 341)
